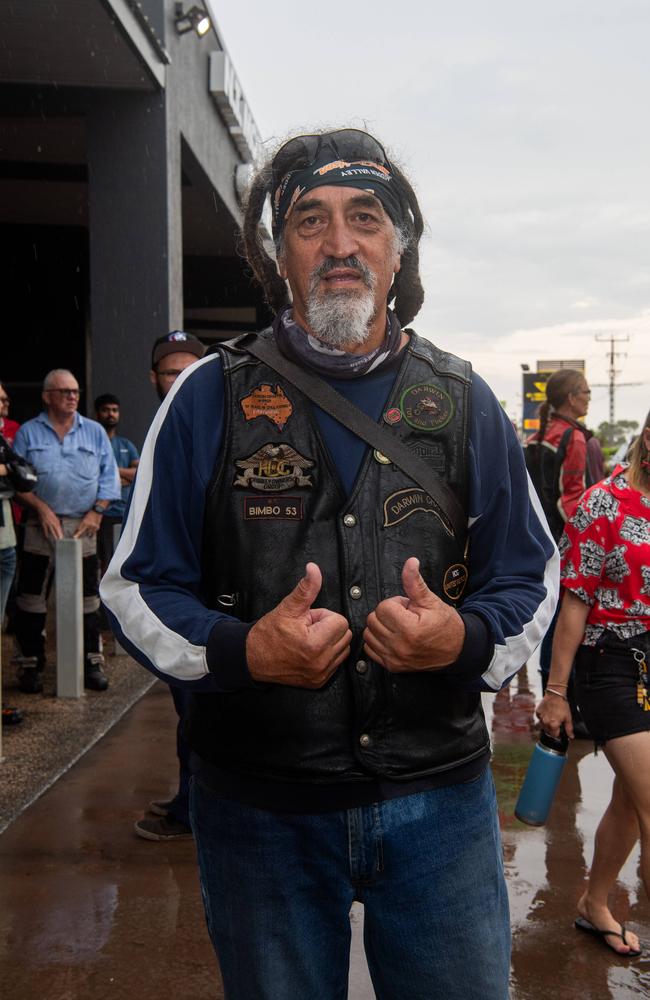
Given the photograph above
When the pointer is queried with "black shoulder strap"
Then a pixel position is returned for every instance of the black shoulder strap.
(452, 514)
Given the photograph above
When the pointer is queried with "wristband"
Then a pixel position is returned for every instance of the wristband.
(558, 694)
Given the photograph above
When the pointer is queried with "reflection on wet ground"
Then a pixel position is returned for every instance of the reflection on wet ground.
(88, 911)
(546, 867)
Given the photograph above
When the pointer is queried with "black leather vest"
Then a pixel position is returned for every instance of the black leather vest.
(276, 503)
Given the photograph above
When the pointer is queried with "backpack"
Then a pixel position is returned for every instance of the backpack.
(544, 467)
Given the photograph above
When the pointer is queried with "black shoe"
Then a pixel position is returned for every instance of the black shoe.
(94, 677)
(30, 676)
(161, 807)
(162, 828)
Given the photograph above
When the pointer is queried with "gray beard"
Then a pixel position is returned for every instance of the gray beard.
(341, 319)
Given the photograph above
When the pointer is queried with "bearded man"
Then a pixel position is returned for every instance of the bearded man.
(336, 588)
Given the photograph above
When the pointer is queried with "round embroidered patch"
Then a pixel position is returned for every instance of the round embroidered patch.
(426, 406)
(455, 580)
(393, 416)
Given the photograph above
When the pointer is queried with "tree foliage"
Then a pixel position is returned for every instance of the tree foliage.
(613, 435)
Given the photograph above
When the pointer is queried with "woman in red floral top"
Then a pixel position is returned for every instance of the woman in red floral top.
(605, 620)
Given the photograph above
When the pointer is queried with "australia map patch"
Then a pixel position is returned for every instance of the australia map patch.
(264, 401)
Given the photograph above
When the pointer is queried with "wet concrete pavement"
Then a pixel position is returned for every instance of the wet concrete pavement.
(89, 911)
(546, 867)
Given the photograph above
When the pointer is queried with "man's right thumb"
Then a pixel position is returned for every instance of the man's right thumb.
(305, 592)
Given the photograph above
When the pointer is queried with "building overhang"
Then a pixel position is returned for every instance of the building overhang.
(80, 43)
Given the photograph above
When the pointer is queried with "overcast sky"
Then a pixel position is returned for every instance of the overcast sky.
(524, 128)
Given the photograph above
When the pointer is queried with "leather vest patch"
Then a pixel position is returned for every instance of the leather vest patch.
(398, 506)
(263, 401)
(279, 508)
(272, 468)
(455, 581)
(427, 406)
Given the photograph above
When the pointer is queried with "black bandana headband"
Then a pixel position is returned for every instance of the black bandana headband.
(365, 175)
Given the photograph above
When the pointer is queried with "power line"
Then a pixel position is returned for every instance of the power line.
(613, 385)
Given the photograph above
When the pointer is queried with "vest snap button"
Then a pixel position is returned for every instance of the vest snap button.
(349, 520)
(364, 740)
(355, 592)
(361, 666)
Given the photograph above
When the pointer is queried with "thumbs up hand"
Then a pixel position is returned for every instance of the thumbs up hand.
(416, 632)
(296, 644)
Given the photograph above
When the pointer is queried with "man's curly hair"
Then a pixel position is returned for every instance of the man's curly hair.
(406, 290)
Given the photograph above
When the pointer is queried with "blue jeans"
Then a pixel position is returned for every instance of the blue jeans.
(428, 869)
(180, 807)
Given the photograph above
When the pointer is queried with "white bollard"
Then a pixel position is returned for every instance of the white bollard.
(69, 619)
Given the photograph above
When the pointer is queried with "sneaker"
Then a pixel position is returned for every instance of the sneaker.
(161, 808)
(30, 679)
(162, 828)
(94, 676)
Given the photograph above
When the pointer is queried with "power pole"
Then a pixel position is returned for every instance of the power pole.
(613, 370)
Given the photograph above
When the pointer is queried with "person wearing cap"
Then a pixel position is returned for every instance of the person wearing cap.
(178, 350)
(169, 819)
(77, 479)
(334, 620)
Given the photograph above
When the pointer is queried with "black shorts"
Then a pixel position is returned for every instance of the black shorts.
(606, 688)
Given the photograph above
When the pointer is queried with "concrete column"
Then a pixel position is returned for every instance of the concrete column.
(69, 619)
(135, 230)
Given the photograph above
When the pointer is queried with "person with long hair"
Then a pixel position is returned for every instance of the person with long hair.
(604, 624)
(340, 750)
(557, 458)
(559, 448)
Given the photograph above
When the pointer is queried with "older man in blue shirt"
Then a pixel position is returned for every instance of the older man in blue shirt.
(77, 479)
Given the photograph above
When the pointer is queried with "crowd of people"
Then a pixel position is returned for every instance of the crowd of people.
(78, 473)
(353, 553)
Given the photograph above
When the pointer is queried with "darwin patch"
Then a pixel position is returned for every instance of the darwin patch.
(426, 406)
(398, 506)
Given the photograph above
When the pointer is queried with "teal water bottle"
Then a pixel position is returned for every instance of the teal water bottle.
(542, 778)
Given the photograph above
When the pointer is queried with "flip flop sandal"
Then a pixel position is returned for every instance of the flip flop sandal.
(584, 925)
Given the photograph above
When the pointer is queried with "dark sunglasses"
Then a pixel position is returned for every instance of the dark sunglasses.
(345, 144)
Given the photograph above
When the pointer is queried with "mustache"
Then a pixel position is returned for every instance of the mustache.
(352, 263)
